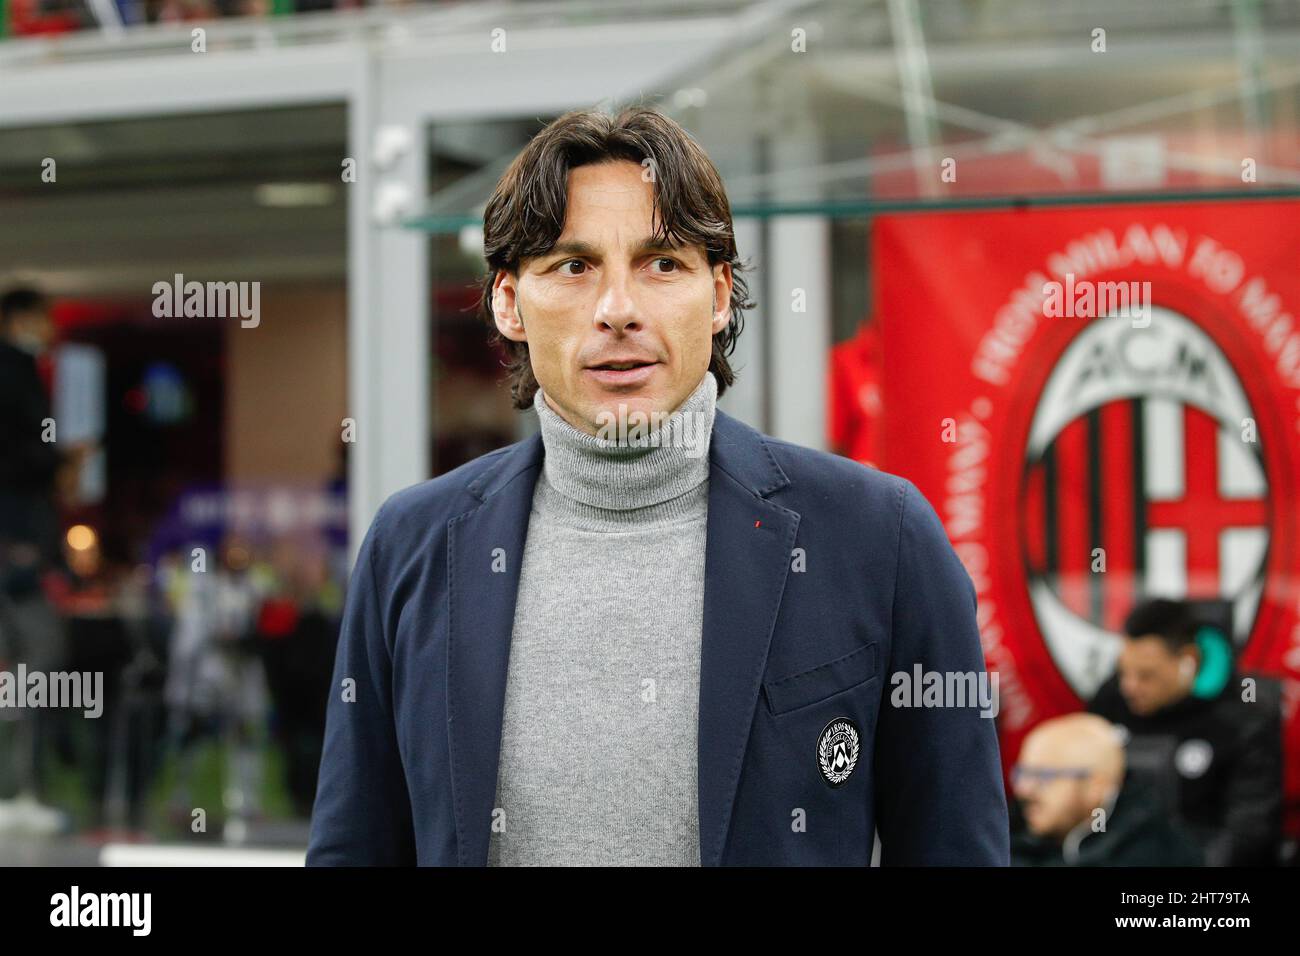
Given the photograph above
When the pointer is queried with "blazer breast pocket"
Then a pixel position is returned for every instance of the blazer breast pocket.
(818, 683)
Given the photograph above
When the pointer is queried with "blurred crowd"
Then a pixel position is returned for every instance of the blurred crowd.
(226, 647)
(46, 17)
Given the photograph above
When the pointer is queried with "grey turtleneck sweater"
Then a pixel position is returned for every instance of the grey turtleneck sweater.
(598, 739)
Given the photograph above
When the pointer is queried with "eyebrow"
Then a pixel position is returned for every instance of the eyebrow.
(577, 247)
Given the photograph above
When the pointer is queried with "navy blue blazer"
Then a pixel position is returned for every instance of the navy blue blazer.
(793, 642)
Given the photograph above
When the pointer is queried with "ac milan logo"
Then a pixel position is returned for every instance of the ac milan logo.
(1144, 476)
(837, 750)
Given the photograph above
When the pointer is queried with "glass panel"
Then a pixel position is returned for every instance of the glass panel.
(852, 111)
(197, 556)
(471, 410)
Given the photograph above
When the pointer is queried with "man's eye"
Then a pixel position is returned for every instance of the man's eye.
(671, 262)
(570, 262)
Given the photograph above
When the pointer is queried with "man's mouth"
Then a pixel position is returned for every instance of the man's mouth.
(626, 373)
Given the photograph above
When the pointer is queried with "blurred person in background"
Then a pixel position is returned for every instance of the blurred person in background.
(180, 11)
(1176, 678)
(102, 600)
(216, 688)
(32, 467)
(47, 17)
(297, 629)
(1079, 807)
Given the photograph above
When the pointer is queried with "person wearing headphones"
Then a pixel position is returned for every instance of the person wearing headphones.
(1176, 678)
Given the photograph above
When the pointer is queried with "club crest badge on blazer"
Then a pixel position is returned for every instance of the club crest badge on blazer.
(837, 750)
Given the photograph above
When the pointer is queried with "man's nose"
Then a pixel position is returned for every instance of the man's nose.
(616, 308)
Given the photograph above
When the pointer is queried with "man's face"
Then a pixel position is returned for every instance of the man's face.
(1054, 797)
(1151, 676)
(32, 331)
(603, 295)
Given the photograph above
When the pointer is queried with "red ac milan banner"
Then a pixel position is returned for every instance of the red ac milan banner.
(1102, 404)
(853, 406)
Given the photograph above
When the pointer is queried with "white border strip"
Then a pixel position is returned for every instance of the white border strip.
(135, 854)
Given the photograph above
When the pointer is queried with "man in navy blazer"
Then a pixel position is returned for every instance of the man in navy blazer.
(829, 592)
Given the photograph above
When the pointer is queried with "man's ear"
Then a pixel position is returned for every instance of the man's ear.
(722, 284)
(505, 307)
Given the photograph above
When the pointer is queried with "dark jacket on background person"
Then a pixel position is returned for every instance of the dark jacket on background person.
(409, 770)
(27, 464)
(1228, 760)
(1137, 833)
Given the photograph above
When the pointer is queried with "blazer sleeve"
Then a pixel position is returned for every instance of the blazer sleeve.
(940, 798)
(362, 814)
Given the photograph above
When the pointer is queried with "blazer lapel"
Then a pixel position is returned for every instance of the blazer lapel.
(482, 584)
(747, 558)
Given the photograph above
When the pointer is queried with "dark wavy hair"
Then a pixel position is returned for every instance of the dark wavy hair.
(525, 215)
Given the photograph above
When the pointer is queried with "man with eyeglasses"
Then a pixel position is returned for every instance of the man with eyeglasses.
(1080, 808)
